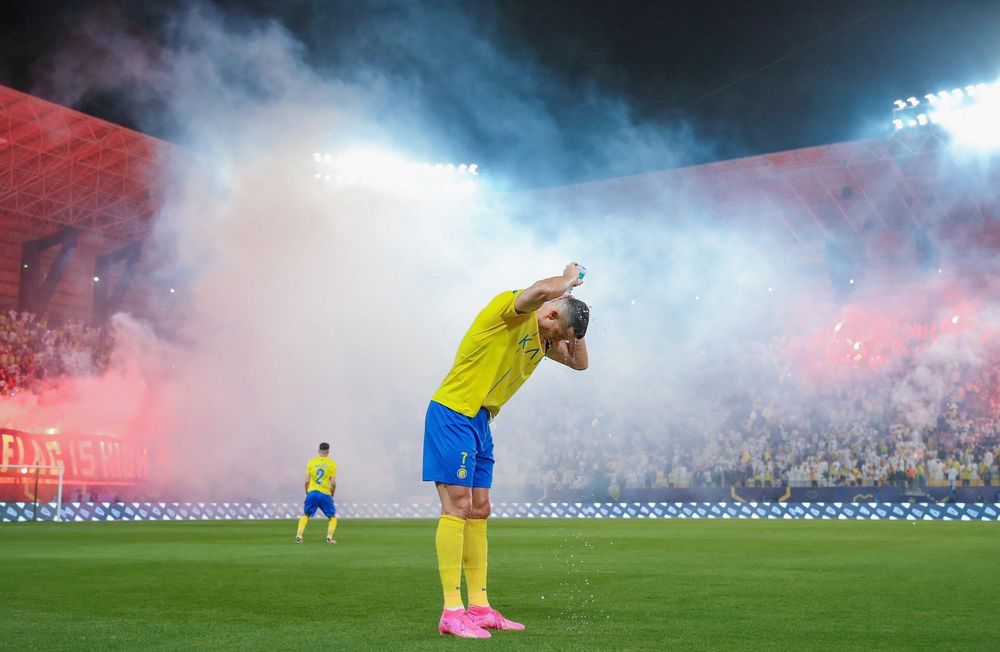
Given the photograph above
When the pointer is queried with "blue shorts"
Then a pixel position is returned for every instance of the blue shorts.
(458, 449)
(319, 500)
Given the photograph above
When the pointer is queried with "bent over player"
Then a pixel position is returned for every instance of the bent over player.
(506, 341)
(321, 482)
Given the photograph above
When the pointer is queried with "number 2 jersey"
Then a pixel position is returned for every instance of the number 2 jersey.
(321, 471)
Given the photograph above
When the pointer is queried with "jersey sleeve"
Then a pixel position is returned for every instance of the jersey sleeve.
(500, 310)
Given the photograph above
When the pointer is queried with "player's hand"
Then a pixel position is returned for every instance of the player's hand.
(572, 274)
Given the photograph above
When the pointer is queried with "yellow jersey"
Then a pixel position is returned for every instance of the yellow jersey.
(321, 471)
(495, 357)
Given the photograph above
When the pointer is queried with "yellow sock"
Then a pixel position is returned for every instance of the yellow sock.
(331, 527)
(474, 559)
(302, 525)
(449, 541)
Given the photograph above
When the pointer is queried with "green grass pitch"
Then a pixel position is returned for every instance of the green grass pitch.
(576, 584)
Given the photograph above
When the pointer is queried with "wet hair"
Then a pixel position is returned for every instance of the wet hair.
(324, 446)
(577, 316)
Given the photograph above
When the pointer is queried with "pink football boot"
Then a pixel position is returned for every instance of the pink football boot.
(490, 618)
(458, 622)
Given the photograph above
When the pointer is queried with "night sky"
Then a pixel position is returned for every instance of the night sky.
(743, 78)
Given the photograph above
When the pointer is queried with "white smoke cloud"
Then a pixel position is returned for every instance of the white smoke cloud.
(924, 391)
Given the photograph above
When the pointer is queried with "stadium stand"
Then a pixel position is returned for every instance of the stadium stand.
(32, 351)
(853, 434)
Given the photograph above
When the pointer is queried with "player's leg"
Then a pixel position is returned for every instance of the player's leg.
(330, 529)
(449, 461)
(308, 509)
(330, 510)
(475, 552)
(456, 501)
(456, 504)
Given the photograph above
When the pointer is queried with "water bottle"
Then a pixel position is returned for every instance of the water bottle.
(581, 272)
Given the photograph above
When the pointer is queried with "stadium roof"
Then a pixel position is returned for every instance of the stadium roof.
(60, 167)
(858, 187)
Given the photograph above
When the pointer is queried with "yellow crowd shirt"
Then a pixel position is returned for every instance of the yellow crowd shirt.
(495, 357)
(321, 471)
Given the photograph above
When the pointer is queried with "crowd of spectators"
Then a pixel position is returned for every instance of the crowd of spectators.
(32, 350)
(763, 427)
(867, 427)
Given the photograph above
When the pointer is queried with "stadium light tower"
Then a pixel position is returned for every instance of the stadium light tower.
(969, 114)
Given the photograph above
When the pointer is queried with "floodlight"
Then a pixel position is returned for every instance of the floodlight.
(373, 167)
(974, 126)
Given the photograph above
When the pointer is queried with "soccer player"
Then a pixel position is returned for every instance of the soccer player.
(321, 482)
(506, 341)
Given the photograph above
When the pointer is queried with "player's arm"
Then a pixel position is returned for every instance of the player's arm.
(333, 486)
(532, 298)
(306, 486)
(572, 353)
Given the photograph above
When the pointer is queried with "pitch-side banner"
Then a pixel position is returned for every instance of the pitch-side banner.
(86, 459)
